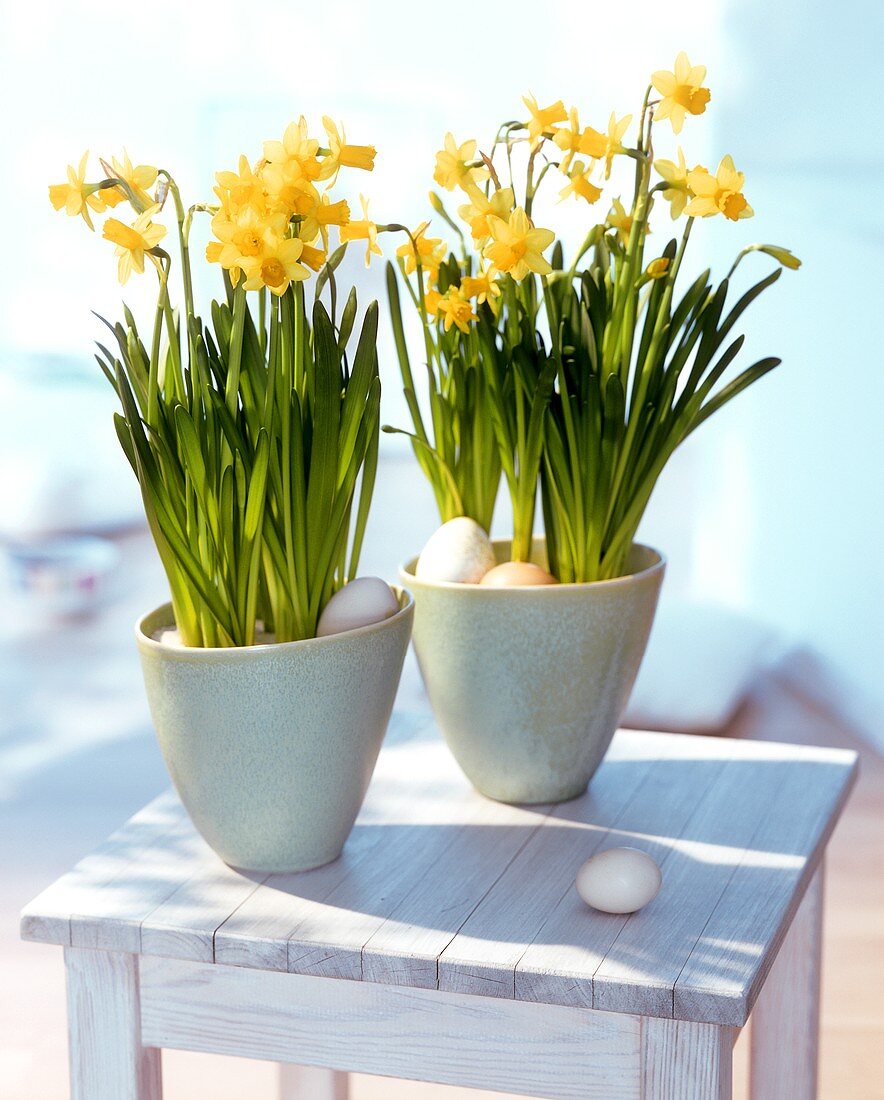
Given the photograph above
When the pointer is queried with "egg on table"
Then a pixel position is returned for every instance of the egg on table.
(458, 551)
(361, 602)
(619, 880)
(517, 573)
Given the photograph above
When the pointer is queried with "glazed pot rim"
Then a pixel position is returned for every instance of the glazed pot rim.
(198, 653)
(406, 573)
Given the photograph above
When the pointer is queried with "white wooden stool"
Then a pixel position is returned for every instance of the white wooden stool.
(448, 943)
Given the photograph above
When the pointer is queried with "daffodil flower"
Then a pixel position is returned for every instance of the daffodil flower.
(614, 139)
(718, 194)
(137, 178)
(75, 195)
(476, 212)
(342, 155)
(572, 140)
(453, 165)
(277, 265)
(682, 92)
(542, 119)
(297, 149)
(363, 230)
(579, 184)
(430, 250)
(455, 309)
(133, 241)
(241, 190)
(656, 269)
(516, 245)
(484, 287)
(676, 175)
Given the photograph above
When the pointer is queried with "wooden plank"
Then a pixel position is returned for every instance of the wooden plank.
(686, 1061)
(558, 966)
(47, 918)
(482, 957)
(417, 787)
(183, 925)
(785, 1022)
(732, 957)
(696, 870)
(415, 1034)
(108, 1060)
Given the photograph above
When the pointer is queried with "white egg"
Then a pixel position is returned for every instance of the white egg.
(459, 551)
(363, 601)
(619, 880)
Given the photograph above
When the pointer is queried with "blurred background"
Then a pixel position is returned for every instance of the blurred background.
(771, 515)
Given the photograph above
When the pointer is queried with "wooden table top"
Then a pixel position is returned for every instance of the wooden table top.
(439, 887)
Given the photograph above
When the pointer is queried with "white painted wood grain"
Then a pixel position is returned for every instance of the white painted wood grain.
(107, 1058)
(89, 885)
(785, 1022)
(312, 1083)
(481, 958)
(687, 1061)
(438, 885)
(415, 1034)
(558, 966)
(728, 965)
(696, 870)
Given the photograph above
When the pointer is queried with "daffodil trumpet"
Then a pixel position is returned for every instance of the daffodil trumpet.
(582, 376)
(254, 436)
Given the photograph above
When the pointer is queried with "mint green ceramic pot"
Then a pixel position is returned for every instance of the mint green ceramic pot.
(528, 684)
(271, 747)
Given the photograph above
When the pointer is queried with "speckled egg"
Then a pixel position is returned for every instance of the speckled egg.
(619, 880)
(512, 574)
(459, 551)
(363, 601)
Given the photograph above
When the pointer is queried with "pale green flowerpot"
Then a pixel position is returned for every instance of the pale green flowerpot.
(271, 747)
(528, 684)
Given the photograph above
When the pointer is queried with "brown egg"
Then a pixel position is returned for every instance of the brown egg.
(516, 573)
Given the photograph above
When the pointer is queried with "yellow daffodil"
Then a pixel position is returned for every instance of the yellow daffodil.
(241, 190)
(656, 269)
(318, 215)
(580, 185)
(314, 258)
(133, 241)
(621, 221)
(676, 175)
(475, 213)
(572, 140)
(297, 149)
(75, 195)
(484, 287)
(363, 230)
(614, 139)
(342, 155)
(432, 298)
(718, 194)
(543, 119)
(138, 179)
(277, 264)
(681, 90)
(455, 309)
(455, 165)
(241, 239)
(430, 250)
(517, 245)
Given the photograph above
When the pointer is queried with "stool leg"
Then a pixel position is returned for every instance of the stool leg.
(107, 1059)
(312, 1083)
(685, 1061)
(785, 1022)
